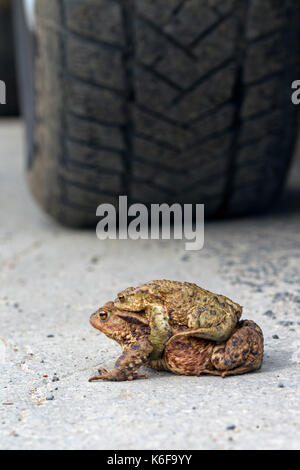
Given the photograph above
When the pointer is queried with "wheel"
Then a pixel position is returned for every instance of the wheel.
(25, 52)
(164, 101)
(7, 64)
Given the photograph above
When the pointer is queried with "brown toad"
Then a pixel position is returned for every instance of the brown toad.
(169, 304)
(183, 354)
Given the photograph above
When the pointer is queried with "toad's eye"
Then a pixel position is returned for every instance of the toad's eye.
(121, 298)
(103, 316)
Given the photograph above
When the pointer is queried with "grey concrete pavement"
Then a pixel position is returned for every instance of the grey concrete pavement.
(52, 279)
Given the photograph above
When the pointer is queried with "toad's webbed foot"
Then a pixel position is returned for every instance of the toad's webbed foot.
(118, 377)
(132, 357)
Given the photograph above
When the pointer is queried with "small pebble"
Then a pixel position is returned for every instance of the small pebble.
(231, 427)
(50, 336)
(275, 337)
(50, 397)
(280, 385)
(270, 314)
(55, 379)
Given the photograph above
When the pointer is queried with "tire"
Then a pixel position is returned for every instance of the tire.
(25, 53)
(165, 101)
(7, 62)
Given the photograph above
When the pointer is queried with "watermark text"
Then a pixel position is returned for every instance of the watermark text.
(2, 92)
(159, 221)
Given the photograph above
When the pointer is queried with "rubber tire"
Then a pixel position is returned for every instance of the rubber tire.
(7, 62)
(25, 53)
(164, 101)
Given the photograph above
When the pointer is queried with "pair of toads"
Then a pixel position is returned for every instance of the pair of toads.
(178, 327)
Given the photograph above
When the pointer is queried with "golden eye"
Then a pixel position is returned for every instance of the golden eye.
(103, 316)
(122, 298)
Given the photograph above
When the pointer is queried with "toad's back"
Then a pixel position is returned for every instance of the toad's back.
(181, 298)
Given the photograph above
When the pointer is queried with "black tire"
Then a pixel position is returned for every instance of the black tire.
(25, 52)
(7, 61)
(163, 100)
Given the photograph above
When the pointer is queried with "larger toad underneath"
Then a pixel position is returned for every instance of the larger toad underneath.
(183, 354)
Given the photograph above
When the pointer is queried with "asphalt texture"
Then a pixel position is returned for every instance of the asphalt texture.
(52, 279)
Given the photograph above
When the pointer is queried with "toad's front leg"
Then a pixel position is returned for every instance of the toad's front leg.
(132, 357)
(160, 328)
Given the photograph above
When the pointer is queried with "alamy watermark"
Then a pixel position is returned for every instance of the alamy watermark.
(2, 92)
(160, 221)
(296, 94)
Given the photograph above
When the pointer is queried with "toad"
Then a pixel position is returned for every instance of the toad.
(183, 354)
(169, 304)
